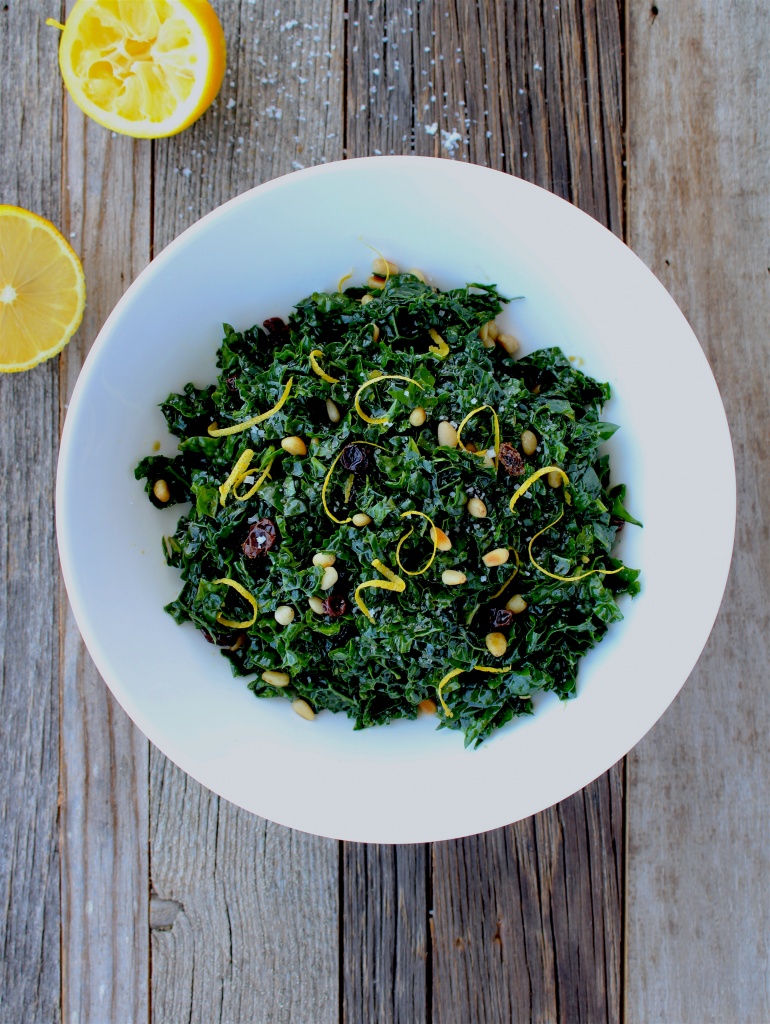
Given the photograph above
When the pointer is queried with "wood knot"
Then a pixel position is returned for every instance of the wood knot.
(163, 913)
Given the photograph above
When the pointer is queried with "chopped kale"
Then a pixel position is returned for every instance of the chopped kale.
(337, 658)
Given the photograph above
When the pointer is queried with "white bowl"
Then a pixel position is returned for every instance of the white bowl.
(255, 257)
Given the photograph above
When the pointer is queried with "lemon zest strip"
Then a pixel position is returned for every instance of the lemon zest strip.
(536, 476)
(254, 419)
(374, 380)
(391, 582)
(566, 579)
(317, 368)
(385, 261)
(343, 279)
(473, 668)
(441, 349)
(471, 414)
(497, 593)
(406, 536)
(245, 594)
(255, 487)
(327, 478)
(53, 23)
(237, 473)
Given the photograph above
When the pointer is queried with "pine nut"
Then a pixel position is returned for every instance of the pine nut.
(366, 298)
(484, 333)
(332, 411)
(496, 644)
(447, 435)
(284, 614)
(417, 416)
(324, 558)
(477, 508)
(375, 282)
(497, 556)
(329, 577)
(361, 519)
(294, 445)
(418, 274)
(453, 577)
(529, 442)
(303, 709)
(470, 447)
(375, 332)
(443, 543)
(427, 706)
(382, 267)
(517, 604)
(508, 342)
(316, 605)
(494, 330)
(161, 491)
(554, 479)
(279, 679)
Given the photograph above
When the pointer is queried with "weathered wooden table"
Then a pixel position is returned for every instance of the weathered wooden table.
(128, 892)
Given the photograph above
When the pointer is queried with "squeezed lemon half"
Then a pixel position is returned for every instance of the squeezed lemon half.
(145, 68)
(42, 290)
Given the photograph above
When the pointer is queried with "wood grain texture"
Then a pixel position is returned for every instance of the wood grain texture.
(385, 933)
(526, 921)
(245, 912)
(104, 758)
(699, 784)
(30, 176)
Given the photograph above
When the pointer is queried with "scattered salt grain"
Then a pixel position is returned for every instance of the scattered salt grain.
(431, 129)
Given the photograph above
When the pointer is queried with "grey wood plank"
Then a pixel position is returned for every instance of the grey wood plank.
(30, 176)
(526, 921)
(244, 913)
(104, 758)
(698, 925)
(385, 933)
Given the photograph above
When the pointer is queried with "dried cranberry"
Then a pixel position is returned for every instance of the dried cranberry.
(500, 618)
(275, 327)
(355, 458)
(511, 460)
(335, 605)
(232, 384)
(617, 522)
(261, 537)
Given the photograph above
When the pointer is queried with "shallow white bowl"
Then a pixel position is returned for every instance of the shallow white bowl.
(255, 257)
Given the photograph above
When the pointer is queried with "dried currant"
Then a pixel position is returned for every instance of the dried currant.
(232, 384)
(275, 327)
(511, 460)
(335, 605)
(355, 458)
(261, 537)
(500, 618)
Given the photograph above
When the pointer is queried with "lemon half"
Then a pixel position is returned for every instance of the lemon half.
(42, 290)
(146, 68)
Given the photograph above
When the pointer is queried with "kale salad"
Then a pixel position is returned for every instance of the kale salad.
(390, 514)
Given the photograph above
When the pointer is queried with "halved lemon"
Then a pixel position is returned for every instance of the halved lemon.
(42, 290)
(146, 68)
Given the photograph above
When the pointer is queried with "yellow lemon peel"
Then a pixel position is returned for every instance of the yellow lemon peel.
(441, 349)
(317, 367)
(237, 473)
(497, 593)
(385, 261)
(391, 582)
(556, 576)
(375, 380)
(408, 534)
(248, 597)
(224, 431)
(496, 422)
(343, 279)
(327, 478)
(475, 668)
(536, 476)
(255, 486)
